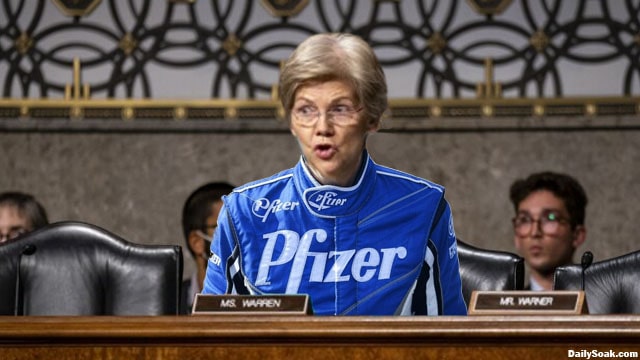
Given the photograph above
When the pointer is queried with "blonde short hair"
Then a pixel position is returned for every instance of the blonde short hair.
(336, 56)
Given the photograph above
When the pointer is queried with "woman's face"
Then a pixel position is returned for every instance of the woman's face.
(327, 120)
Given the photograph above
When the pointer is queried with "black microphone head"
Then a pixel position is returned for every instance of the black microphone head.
(587, 259)
(29, 249)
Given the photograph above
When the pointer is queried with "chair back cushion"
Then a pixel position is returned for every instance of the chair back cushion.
(72, 268)
(611, 286)
(488, 270)
(9, 254)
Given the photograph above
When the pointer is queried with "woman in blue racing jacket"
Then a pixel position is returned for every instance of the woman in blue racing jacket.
(357, 237)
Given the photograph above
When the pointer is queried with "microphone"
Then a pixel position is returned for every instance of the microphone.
(587, 259)
(27, 250)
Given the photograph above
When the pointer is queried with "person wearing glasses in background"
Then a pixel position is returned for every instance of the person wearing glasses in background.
(20, 213)
(549, 224)
(199, 221)
(357, 237)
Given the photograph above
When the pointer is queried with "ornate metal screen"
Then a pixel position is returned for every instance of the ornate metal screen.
(210, 60)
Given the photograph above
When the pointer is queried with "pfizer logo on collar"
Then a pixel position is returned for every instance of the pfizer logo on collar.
(325, 200)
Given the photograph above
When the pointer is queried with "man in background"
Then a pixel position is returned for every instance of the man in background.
(549, 223)
(20, 213)
(199, 221)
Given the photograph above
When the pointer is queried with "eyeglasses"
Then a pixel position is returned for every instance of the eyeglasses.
(549, 223)
(340, 115)
(12, 234)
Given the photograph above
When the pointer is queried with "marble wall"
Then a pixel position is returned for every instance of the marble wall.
(134, 184)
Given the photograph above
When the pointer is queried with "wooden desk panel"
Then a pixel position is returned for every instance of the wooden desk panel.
(309, 338)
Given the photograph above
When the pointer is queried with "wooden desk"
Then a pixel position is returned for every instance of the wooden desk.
(309, 338)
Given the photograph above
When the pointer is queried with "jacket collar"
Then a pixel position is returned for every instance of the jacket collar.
(331, 200)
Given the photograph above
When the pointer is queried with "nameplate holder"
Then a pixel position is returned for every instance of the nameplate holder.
(528, 303)
(295, 304)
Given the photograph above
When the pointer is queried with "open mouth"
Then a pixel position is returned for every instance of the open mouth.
(323, 151)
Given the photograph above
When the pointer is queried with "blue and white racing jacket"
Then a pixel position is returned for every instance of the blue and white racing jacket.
(369, 249)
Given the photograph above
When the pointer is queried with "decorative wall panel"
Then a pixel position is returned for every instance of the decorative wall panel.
(438, 54)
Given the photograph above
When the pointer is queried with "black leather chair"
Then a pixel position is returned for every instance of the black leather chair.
(73, 268)
(485, 270)
(611, 286)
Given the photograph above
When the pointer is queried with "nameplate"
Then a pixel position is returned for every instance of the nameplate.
(527, 303)
(205, 304)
